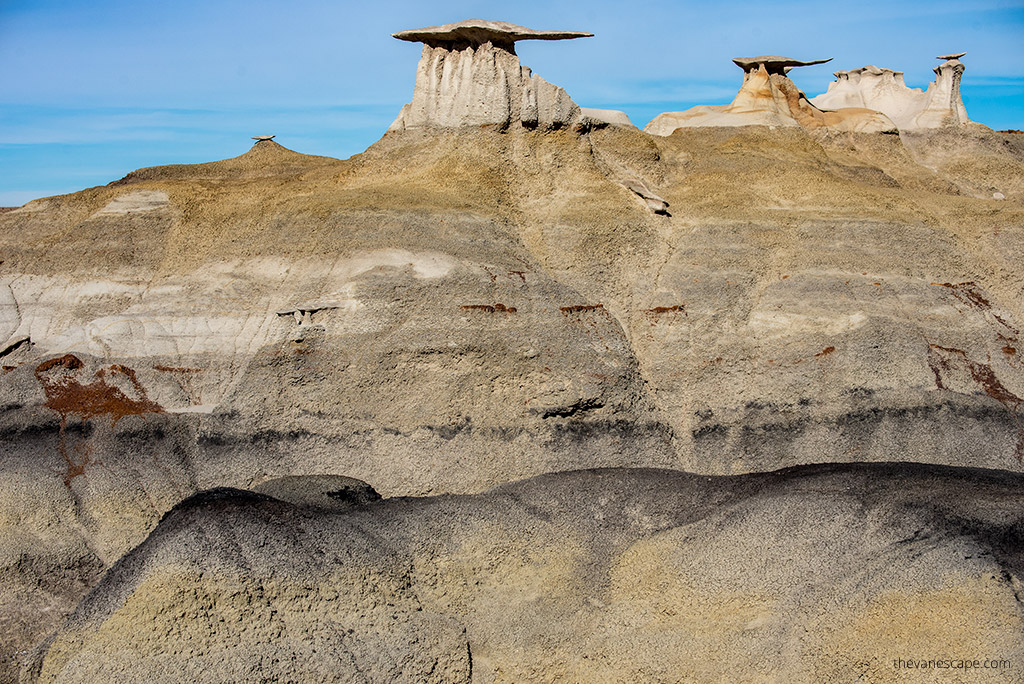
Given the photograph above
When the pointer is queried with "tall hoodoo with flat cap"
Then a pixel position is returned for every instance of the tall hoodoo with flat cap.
(469, 75)
(946, 107)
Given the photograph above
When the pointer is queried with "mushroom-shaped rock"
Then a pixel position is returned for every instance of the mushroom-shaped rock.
(469, 75)
(945, 107)
(909, 108)
(769, 98)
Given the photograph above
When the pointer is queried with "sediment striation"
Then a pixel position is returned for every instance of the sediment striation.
(461, 307)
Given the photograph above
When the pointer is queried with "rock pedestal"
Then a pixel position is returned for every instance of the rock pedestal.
(944, 105)
(469, 75)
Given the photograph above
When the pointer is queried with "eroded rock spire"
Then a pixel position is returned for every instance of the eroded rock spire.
(469, 75)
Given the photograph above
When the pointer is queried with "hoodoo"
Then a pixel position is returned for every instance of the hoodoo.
(769, 98)
(909, 108)
(469, 75)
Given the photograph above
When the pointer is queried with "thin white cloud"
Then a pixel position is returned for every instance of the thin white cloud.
(58, 126)
(16, 198)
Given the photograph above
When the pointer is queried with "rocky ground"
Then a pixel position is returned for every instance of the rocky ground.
(451, 311)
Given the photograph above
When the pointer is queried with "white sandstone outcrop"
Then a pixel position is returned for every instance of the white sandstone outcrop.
(10, 316)
(909, 108)
(469, 75)
(769, 98)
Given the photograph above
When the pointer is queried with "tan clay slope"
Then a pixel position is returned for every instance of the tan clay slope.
(376, 318)
(800, 273)
(806, 285)
(450, 311)
(808, 299)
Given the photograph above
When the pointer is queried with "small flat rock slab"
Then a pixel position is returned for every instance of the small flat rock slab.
(261, 138)
(956, 55)
(481, 31)
(311, 307)
(774, 62)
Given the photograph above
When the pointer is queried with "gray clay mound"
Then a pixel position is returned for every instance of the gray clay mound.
(821, 573)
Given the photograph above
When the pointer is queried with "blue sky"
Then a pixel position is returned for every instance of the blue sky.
(92, 90)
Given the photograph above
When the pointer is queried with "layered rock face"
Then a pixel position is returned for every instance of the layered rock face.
(450, 311)
(461, 307)
(469, 75)
(909, 108)
(769, 98)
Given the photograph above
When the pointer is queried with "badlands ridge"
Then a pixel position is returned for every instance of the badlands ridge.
(288, 417)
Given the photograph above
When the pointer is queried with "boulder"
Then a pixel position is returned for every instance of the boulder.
(606, 117)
